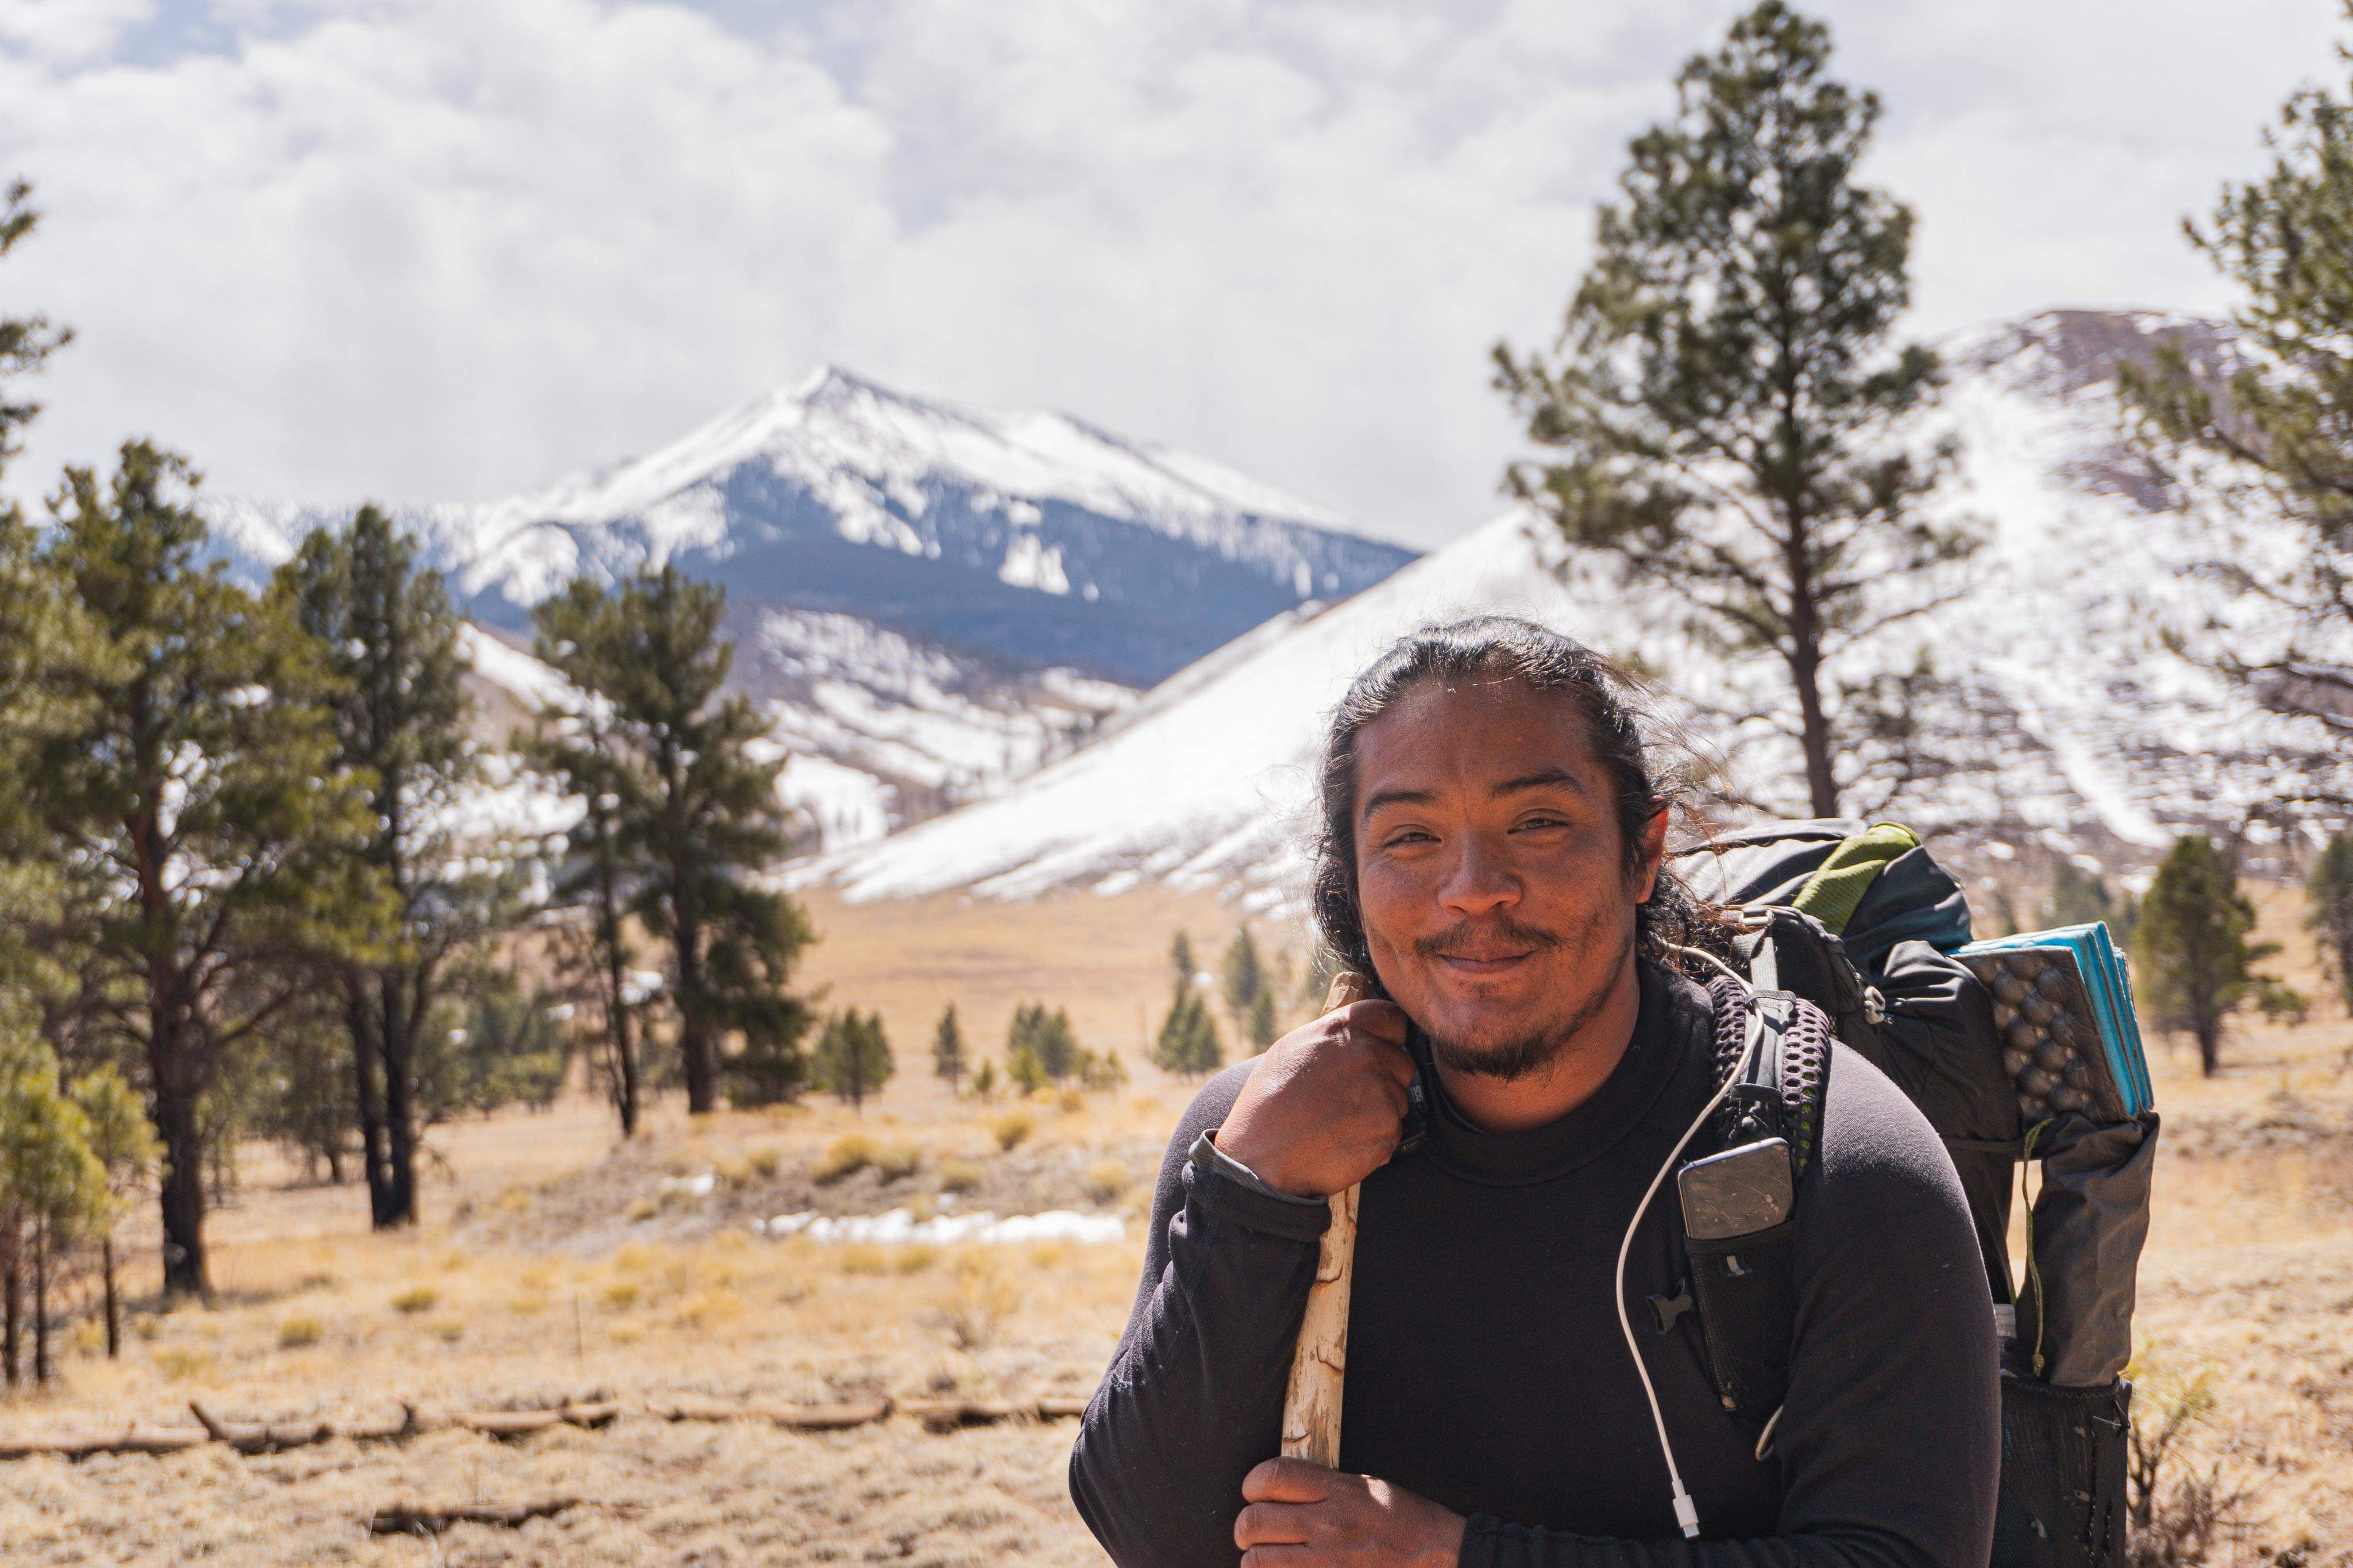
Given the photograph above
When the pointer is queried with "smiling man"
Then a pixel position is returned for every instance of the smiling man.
(1492, 843)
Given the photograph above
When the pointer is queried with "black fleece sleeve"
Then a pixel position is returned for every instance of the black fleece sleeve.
(1194, 1396)
(1889, 1441)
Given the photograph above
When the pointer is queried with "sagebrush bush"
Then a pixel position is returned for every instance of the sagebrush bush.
(1106, 1179)
(850, 1153)
(1012, 1130)
(296, 1332)
(977, 1304)
(960, 1176)
(415, 1298)
(897, 1162)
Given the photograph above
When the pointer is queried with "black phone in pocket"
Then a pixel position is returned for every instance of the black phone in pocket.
(1737, 1193)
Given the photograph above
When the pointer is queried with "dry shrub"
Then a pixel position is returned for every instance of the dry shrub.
(862, 1257)
(2181, 1521)
(448, 1330)
(709, 1309)
(177, 1362)
(417, 1299)
(960, 1176)
(850, 1153)
(1106, 1179)
(897, 1162)
(977, 1304)
(765, 1162)
(640, 1209)
(914, 1258)
(621, 1295)
(296, 1332)
(1073, 1100)
(1012, 1128)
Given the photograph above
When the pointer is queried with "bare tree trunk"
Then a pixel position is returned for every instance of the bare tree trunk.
(11, 1340)
(114, 1299)
(2209, 1049)
(400, 1024)
(183, 1187)
(362, 1024)
(41, 1304)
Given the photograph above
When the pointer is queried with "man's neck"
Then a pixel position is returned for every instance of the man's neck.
(1574, 1075)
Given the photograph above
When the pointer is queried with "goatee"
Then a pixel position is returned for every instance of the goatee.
(1513, 1060)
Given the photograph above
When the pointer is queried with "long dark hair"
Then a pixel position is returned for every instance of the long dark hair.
(1499, 647)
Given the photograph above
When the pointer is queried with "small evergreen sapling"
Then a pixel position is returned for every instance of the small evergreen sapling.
(2329, 895)
(853, 1059)
(949, 1062)
(2194, 963)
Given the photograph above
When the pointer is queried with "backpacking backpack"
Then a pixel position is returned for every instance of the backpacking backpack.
(2015, 1050)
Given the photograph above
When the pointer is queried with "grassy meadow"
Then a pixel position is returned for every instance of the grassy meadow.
(553, 1265)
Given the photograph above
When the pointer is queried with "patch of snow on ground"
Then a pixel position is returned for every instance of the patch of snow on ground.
(900, 1225)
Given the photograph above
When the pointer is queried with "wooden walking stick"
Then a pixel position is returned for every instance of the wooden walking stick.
(1311, 1406)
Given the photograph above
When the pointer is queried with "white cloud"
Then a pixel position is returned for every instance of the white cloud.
(439, 248)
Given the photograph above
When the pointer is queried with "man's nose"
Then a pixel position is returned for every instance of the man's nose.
(1479, 880)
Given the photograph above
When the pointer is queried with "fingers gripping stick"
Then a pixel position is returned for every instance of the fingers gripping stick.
(1311, 1407)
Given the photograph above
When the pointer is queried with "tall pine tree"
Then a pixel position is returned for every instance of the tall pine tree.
(2329, 916)
(2271, 443)
(853, 1058)
(391, 642)
(949, 1057)
(1726, 399)
(198, 805)
(695, 816)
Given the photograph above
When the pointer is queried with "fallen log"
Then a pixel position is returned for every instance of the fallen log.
(434, 1520)
(133, 1439)
(801, 1417)
(265, 1437)
(520, 1423)
(947, 1414)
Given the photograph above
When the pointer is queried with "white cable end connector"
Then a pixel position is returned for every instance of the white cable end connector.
(1687, 1513)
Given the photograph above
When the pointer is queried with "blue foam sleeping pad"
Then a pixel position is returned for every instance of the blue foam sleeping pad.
(2087, 950)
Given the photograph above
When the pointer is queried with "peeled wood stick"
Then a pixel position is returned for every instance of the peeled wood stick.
(1311, 1407)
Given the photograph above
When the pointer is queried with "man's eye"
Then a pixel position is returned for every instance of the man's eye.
(1406, 836)
(1543, 822)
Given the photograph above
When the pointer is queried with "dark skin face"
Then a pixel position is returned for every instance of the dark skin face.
(1497, 897)
(1499, 907)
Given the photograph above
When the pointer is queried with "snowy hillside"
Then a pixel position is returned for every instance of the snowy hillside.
(2088, 737)
(1030, 536)
(929, 600)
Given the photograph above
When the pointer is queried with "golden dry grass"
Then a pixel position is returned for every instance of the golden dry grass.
(529, 1282)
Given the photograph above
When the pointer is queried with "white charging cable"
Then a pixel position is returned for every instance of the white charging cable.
(1686, 1511)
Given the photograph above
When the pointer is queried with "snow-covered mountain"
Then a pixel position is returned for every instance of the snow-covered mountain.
(930, 599)
(2083, 734)
(1032, 536)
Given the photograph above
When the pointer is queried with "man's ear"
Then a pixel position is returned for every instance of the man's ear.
(1654, 850)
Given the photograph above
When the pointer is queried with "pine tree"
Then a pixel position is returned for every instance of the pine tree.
(391, 642)
(984, 1082)
(198, 803)
(1244, 977)
(1180, 959)
(26, 341)
(1265, 1028)
(2329, 895)
(1726, 396)
(948, 1051)
(2194, 965)
(594, 880)
(695, 815)
(53, 1189)
(853, 1059)
(124, 1147)
(2271, 443)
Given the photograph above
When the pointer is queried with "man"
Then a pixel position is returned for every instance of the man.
(1492, 850)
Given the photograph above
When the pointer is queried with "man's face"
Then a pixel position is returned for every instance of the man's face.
(1490, 872)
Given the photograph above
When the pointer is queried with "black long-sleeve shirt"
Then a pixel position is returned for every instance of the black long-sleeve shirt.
(1486, 1368)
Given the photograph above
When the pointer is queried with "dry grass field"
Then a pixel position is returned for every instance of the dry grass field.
(553, 1266)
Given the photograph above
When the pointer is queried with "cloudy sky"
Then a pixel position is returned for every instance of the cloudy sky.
(452, 248)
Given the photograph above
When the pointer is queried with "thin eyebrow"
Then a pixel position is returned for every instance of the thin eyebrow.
(1547, 778)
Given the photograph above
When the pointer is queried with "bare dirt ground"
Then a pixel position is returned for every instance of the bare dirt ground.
(552, 1265)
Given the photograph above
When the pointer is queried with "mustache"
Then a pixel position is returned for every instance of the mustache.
(1502, 929)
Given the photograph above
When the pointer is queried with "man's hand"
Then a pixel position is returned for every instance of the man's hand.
(1324, 1107)
(1304, 1516)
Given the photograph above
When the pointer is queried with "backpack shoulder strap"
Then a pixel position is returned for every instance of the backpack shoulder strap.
(1743, 1287)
